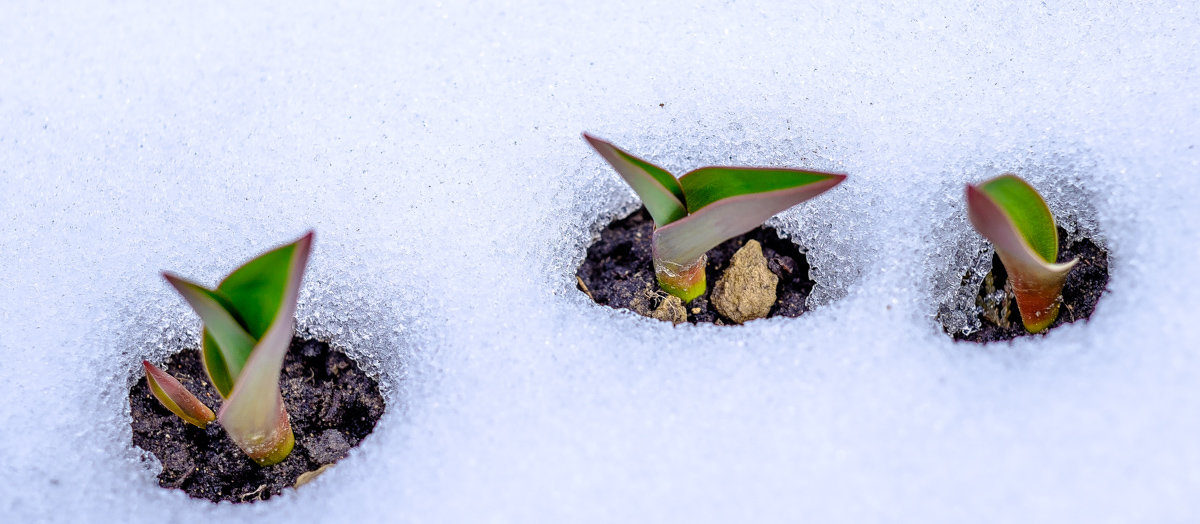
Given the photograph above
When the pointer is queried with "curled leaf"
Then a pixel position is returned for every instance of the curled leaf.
(1013, 217)
(176, 398)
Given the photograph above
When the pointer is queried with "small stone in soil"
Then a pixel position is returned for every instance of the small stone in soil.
(746, 290)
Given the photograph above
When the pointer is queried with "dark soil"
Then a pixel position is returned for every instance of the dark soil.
(1086, 282)
(618, 269)
(332, 406)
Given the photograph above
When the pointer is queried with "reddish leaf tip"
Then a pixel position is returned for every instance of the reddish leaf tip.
(837, 178)
(596, 143)
(176, 281)
(976, 198)
(304, 249)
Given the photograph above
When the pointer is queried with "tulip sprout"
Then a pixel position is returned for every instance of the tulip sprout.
(701, 209)
(1013, 217)
(248, 326)
(176, 398)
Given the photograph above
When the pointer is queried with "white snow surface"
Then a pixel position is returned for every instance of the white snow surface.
(435, 148)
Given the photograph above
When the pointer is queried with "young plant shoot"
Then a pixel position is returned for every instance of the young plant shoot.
(176, 398)
(701, 209)
(1008, 212)
(248, 324)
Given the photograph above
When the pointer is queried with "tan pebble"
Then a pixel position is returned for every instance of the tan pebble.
(746, 290)
(671, 310)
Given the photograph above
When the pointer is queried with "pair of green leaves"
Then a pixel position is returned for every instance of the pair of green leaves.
(1015, 219)
(248, 324)
(710, 205)
(238, 314)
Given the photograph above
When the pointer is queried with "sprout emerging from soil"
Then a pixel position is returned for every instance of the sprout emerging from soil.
(705, 207)
(248, 324)
(1013, 217)
(176, 398)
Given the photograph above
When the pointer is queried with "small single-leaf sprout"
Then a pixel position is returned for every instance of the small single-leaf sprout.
(176, 398)
(248, 325)
(1008, 212)
(701, 209)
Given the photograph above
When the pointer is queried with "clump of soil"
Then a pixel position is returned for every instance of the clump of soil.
(619, 272)
(997, 308)
(747, 289)
(332, 405)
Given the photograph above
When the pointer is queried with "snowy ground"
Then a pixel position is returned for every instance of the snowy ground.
(435, 149)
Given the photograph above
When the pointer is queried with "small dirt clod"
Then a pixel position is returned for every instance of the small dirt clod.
(746, 290)
(671, 310)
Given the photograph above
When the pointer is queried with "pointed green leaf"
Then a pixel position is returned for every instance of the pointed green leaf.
(1013, 217)
(176, 398)
(1027, 211)
(708, 185)
(232, 341)
(215, 365)
(256, 289)
(659, 191)
(731, 201)
(254, 415)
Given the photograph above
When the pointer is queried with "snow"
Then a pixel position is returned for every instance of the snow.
(435, 149)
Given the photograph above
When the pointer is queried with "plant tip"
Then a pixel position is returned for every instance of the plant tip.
(1010, 214)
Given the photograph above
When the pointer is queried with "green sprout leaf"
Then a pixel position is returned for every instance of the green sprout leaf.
(176, 398)
(1027, 211)
(725, 202)
(1013, 217)
(254, 414)
(657, 188)
(227, 345)
(257, 289)
(215, 365)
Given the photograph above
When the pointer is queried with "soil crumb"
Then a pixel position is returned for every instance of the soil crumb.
(746, 290)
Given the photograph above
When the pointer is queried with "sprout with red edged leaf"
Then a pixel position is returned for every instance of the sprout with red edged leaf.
(176, 398)
(1011, 214)
(707, 206)
(248, 325)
